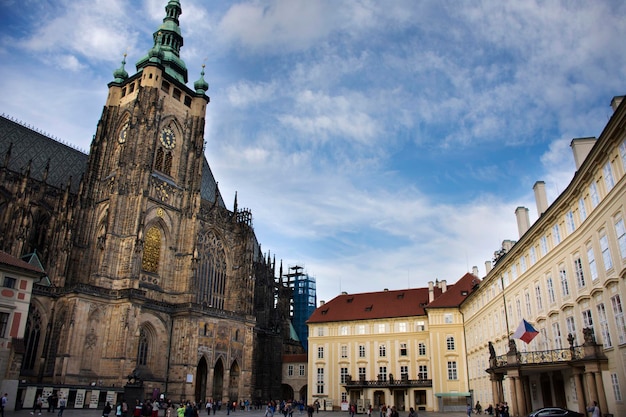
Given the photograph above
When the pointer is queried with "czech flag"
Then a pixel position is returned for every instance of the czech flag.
(525, 332)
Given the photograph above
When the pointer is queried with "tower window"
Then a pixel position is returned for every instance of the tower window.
(165, 86)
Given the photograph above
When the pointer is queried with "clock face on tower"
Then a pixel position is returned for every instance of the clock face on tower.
(123, 132)
(167, 138)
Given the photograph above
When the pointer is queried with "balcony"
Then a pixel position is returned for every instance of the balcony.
(390, 383)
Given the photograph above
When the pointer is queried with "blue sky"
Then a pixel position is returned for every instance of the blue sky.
(380, 144)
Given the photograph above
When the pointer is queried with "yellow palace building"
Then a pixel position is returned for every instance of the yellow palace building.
(445, 346)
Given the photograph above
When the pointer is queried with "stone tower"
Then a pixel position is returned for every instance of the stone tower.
(150, 274)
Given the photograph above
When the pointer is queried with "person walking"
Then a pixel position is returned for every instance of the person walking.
(62, 405)
(3, 403)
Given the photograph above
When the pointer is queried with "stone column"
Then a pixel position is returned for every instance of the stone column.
(513, 388)
(591, 386)
(604, 407)
(521, 404)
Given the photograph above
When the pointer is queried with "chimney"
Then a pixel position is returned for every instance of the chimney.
(540, 197)
(322, 302)
(616, 101)
(443, 285)
(523, 221)
(581, 148)
(475, 270)
(431, 291)
(487, 267)
(507, 245)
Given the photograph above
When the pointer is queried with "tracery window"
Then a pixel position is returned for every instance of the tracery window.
(152, 250)
(211, 273)
(32, 337)
(142, 349)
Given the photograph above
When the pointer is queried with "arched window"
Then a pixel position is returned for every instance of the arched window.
(450, 343)
(211, 274)
(152, 250)
(142, 349)
(32, 336)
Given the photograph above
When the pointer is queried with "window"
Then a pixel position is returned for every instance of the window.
(529, 310)
(403, 350)
(290, 370)
(622, 152)
(344, 351)
(578, 268)
(344, 330)
(421, 349)
(538, 296)
(381, 328)
(571, 325)
(607, 172)
(9, 282)
(518, 307)
(362, 374)
(4, 324)
(570, 226)
(617, 392)
(550, 286)
(151, 250)
(382, 373)
(620, 232)
(404, 372)
(302, 370)
(421, 326)
(533, 255)
(320, 380)
(522, 262)
(556, 235)
(618, 313)
(593, 192)
(343, 375)
(422, 372)
(320, 352)
(320, 331)
(606, 252)
(361, 351)
(592, 263)
(564, 282)
(447, 318)
(452, 374)
(582, 212)
(543, 245)
(556, 333)
(450, 343)
(360, 329)
(604, 326)
(587, 319)
(402, 327)
(382, 351)
(142, 348)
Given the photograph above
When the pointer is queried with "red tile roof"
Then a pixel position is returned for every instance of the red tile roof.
(388, 304)
(456, 293)
(12, 261)
(299, 357)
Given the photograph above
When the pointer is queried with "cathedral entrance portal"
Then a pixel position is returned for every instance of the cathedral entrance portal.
(201, 380)
(218, 380)
(233, 386)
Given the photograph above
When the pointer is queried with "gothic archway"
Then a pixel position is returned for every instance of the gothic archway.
(218, 380)
(201, 378)
(233, 383)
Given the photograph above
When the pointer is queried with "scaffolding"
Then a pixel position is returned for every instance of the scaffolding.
(303, 301)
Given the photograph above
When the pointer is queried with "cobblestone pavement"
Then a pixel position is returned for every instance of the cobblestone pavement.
(87, 412)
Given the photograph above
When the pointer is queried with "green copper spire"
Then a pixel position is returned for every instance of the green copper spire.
(201, 86)
(167, 44)
(120, 74)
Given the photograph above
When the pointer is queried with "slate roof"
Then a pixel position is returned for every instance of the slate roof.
(65, 161)
(13, 262)
(388, 304)
(29, 145)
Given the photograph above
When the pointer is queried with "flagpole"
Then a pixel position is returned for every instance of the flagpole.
(506, 314)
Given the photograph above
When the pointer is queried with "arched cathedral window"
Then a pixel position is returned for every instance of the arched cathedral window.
(32, 337)
(211, 272)
(142, 349)
(163, 161)
(152, 250)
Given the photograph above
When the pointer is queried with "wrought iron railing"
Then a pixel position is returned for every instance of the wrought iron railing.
(540, 357)
(396, 383)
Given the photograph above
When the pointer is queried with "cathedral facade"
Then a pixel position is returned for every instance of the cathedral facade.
(151, 279)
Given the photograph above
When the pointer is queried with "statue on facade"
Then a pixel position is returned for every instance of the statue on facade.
(512, 347)
(492, 351)
(588, 336)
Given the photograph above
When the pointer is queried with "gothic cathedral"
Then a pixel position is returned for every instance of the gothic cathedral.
(149, 275)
